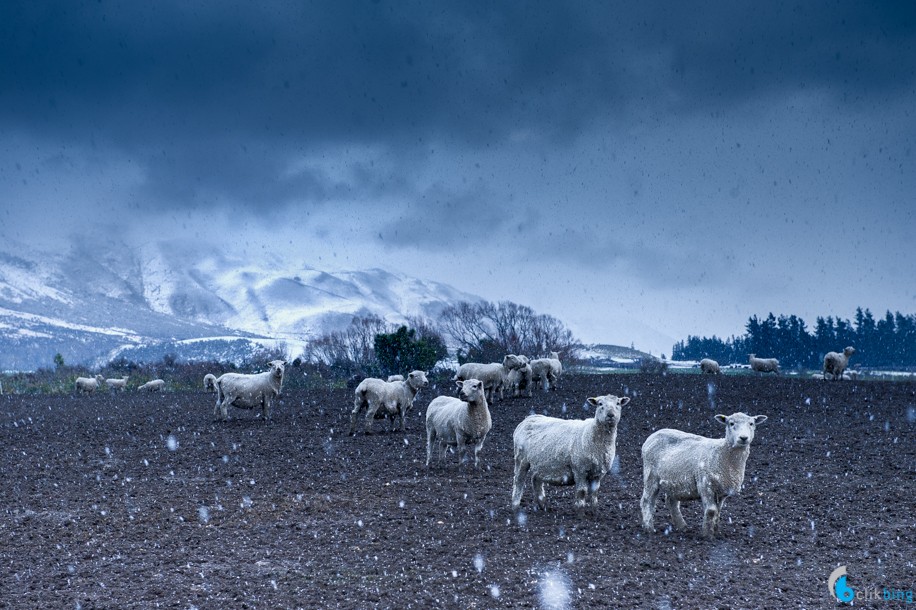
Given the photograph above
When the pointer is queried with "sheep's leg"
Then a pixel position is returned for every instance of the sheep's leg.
(370, 415)
(460, 448)
(430, 437)
(518, 483)
(358, 403)
(224, 408)
(538, 484)
(477, 449)
(647, 503)
(710, 512)
(581, 490)
(400, 411)
(719, 505)
(674, 507)
(593, 487)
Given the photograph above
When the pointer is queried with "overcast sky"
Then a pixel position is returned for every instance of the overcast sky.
(643, 171)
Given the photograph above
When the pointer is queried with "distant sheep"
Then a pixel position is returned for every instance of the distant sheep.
(567, 451)
(709, 366)
(763, 365)
(686, 466)
(154, 385)
(545, 372)
(386, 398)
(209, 382)
(518, 381)
(249, 391)
(835, 364)
(117, 384)
(458, 422)
(494, 375)
(88, 385)
(395, 378)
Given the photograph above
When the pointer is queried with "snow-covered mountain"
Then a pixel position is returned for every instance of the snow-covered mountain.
(95, 300)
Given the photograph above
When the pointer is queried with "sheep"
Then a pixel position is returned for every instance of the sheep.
(763, 365)
(117, 384)
(691, 467)
(835, 364)
(395, 378)
(154, 385)
(249, 391)
(394, 398)
(459, 422)
(545, 372)
(88, 385)
(710, 366)
(518, 381)
(209, 382)
(494, 375)
(567, 452)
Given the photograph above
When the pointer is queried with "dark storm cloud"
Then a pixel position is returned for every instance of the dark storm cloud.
(179, 87)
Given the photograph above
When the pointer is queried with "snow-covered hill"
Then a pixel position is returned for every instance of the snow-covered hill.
(96, 299)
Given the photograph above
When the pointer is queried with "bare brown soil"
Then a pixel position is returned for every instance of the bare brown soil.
(143, 501)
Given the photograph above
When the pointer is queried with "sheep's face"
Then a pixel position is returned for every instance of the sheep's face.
(740, 428)
(471, 390)
(849, 351)
(511, 361)
(277, 367)
(607, 408)
(417, 379)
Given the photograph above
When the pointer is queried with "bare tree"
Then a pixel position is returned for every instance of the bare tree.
(351, 350)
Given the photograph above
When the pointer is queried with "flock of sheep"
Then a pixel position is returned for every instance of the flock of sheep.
(548, 450)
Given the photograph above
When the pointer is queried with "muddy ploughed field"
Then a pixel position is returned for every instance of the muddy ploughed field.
(143, 501)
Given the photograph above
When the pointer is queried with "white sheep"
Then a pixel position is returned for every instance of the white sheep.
(567, 451)
(458, 422)
(545, 372)
(710, 366)
(153, 385)
(835, 364)
(209, 382)
(494, 375)
(117, 384)
(88, 385)
(395, 378)
(763, 365)
(383, 398)
(687, 466)
(518, 381)
(249, 391)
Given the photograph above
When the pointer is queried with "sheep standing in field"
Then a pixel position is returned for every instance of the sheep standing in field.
(835, 363)
(567, 451)
(686, 466)
(209, 382)
(88, 385)
(458, 422)
(545, 372)
(518, 381)
(153, 385)
(763, 365)
(494, 375)
(383, 398)
(249, 391)
(117, 384)
(709, 366)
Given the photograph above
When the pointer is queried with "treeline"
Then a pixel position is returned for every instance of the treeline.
(886, 342)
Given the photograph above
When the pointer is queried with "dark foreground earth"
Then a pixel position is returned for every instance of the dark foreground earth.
(142, 501)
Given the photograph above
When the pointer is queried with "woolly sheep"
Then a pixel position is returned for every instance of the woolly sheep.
(763, 365)
(567, 452)
(687, 466)
(209, 382)
(117, 384)
(545, 372)
(518, 381)
(380, 398)
(395, 378)
(494, 375)
(249, 391)
(154, 385)
(835, 363)
(710, 366)
(458, 422)
(88, 385)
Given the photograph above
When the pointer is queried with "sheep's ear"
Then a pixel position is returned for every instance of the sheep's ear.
(759, 419)
(592, 401)
(722, 418)
(460, 384)
(623, 401)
